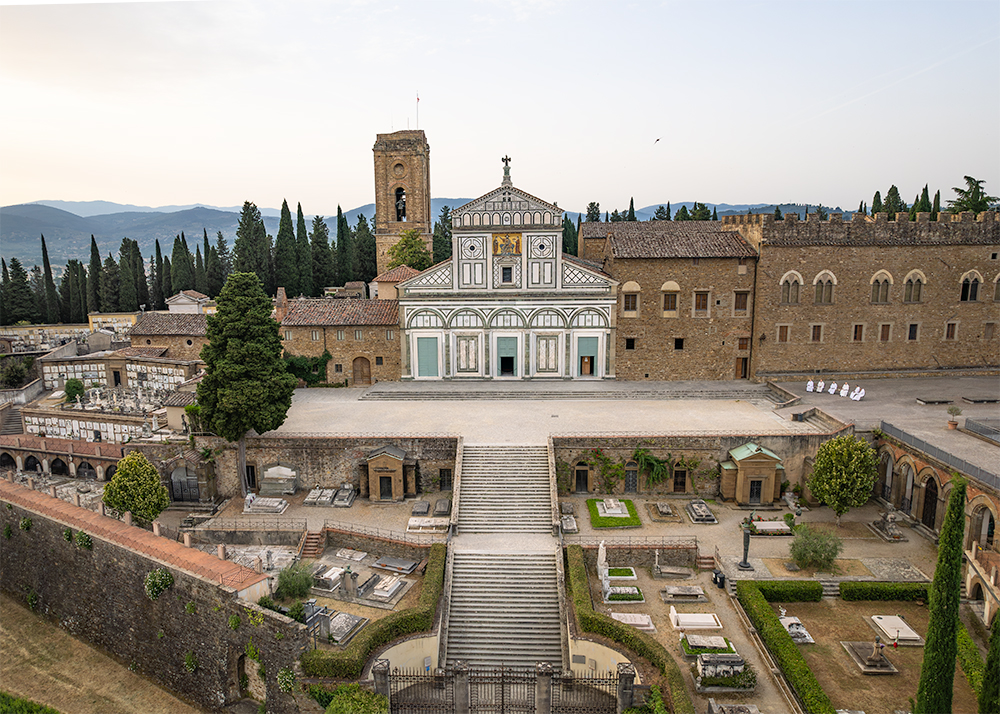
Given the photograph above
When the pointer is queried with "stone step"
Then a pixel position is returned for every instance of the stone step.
(12, 424)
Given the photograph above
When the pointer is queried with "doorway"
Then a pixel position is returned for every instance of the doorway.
(582, 474)
(118, 378)
(742, 368)
(385, 488)
(930, 504)
(587, 351)
(506, 366)
(507, 356)
(680, 480)
(631, 477)
(755, 490)
(362, 372)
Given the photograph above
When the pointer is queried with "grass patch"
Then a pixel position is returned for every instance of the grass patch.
(620, 572)
(626, 597)
(17, 705)
(598, 521)
(706, 650)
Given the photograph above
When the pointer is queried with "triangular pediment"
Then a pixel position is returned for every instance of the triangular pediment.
(437, 276)
(509, 198)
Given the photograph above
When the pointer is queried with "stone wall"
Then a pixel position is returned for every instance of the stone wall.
(385, 547)
(641, 557)
(340, 341)
(182, 347)
(98, 595)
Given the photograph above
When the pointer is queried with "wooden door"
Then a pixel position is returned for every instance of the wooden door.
(362, 371)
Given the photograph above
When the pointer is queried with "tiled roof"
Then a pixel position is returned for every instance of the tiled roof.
(397, 274)
(589, 264)
(180, 399)
(341, 312)
(172, 553)
(671, 239)
(170, 323)
(355, 284)
(193, 294)
(140, 352)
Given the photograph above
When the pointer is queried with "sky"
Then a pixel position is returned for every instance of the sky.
(220, 102)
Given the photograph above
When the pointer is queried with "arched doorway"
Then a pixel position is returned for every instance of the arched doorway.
(885, 476)
(86, 471)
(906, 502)
(58, 468)
(7, 462)
(582, 477)
(929, 512)
(183, 485)
(32, 464)
(983, 529)
(362, 371)
(631, 477)
(110, 472)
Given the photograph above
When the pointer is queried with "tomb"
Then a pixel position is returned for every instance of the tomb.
(714, 708)
(566, 508)
(569, 524)
(720, 665)
(261, 505)
(421, 508)
(351, 554)
(621, 574)
(385, 474)
(771, 528)
(343, 626)
(664, 572)
(886, 528)
(442, 508)
(319, 497)
(694, 645)
(278, 480)
(328, 578)
(427, 525)
(895, 629)
(796, 630)
(869, 657)
(612, 508)
(370, 583)
(664, 509)
(637, 620)
(694, 621)
(396, 565)
(682, 593)
(699, 512)
(633, 594)
(751, 476)
(344, 497)
(387, 588)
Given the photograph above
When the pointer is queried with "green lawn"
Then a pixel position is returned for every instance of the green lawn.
(597, 521)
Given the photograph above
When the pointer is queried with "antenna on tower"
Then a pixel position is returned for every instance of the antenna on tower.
(418, 108)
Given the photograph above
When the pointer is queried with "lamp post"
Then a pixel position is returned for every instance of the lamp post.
(745, 564)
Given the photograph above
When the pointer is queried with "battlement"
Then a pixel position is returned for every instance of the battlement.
(760, 219)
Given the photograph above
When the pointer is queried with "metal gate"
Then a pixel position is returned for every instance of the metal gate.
(585, 695)
(415, 692)
(504, 690)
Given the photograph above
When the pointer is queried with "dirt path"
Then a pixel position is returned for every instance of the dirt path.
(41, 662)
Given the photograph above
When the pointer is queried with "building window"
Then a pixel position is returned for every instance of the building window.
(949, 330)
(911, 333)
(340, 335)
(695, 261)
(913, 290)
(970, 290)
(507, 274)
(390, 334)
(315, 335)
(741, 300)
(880, 291)
(359, 335)
(884, 332)
(630, 302)
(817, 333)
(996, 291)
(670, 302)
(744, 343)
(444, 479)
(700, 303)
(678, 343)
(783, 333)
(824, 292)
(988, 330)
(859, 333)
(288, 334)
(630, 343)
(378, 361)
(790, 292)
(338, 368)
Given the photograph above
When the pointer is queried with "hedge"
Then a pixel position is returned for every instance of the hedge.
(779, 644)
(791, 590)
(16, 705)
(350, 662)
(638, 642)
(883, 591)
(971, 660)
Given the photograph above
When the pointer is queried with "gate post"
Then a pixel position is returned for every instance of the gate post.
(463, 702)
(626, 681)
(543, 688)
(380, 673)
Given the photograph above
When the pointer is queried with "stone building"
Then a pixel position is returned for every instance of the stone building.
(508, 304)
(385, 284)
(361, 336)
(181, 334)
(191, 301)
(685, 298)
(146, 367)
(402, 190)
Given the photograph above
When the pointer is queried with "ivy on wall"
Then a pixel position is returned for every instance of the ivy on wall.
(311, 370)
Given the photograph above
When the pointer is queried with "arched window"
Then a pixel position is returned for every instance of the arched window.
(400, 204)
(880, 288)
(970, 289)
(630, 298)
(914, 287)
(824, 283)
(790, 291)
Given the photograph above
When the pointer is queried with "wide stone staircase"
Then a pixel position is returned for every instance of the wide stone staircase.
(504, 609)
(423, 392)
(12, 423)
(505, 489)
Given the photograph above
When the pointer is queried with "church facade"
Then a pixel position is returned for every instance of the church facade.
(508, 304)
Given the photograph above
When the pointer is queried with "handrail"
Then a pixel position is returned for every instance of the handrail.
(981, 475)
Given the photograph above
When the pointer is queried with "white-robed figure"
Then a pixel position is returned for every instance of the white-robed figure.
(857, 389)
(843, 389)
(809, 386)
(833, 388)
(860, 395)
(820, 386)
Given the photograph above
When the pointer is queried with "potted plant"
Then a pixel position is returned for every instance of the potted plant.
(953, 411)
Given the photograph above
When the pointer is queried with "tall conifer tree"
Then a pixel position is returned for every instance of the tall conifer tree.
(323, 268)
(303, 254)
(286, 254)
(168, 285)
(366, 256)
(127, 299)
(51, 295)
(345, 249)
(936, 206)
(94, 278)
(110, 285)
(19, 302)
(156, 291)
(251, 252)
(181, 275)
(139, 273)
(877, 203)
(200, 277)
(631, 210)
(213, 273)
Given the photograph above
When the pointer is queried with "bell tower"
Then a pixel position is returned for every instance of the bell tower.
(402, 190)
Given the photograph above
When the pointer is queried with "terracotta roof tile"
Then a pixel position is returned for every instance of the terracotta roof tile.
(670, 239)
(140, 352)
(397, 274)
(194, 294)
(171, 323)
(180, 399)
(341, 312)
(589, 264)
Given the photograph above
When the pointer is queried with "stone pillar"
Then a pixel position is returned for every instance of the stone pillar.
(463, 700)
(258, 566)
(76, 499)
(543, 688)
(31, 484)
(52, 492)
(156, 528)
(127, 518)
(187, 540)
(380, 673)
(221, 551)
(626, 682)
(351, 584)
(100, 508)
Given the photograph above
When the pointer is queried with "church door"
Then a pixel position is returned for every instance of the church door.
(507, 356)
(930, 504)
(587, 350)
(427, 357)
(362, 371)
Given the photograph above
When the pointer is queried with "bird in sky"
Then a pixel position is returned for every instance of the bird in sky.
(654, 143)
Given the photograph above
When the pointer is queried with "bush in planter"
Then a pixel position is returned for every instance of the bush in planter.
(294, 581)
(814, 548)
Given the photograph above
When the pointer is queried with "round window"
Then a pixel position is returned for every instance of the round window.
(189, 343)
(149, 342)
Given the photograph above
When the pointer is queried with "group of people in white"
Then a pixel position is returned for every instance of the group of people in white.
(857, 395)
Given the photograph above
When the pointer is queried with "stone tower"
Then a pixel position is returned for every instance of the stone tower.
(402, 189)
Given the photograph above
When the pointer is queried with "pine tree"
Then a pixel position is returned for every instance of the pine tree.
(345, 249)
(303, 254)
(19, 302)
(286, 254)
(322, 258)
(937, 671)
(989, 693)
(213, 273)
(936, 206)
(410, 250)
(110, 285)
(51, 296)
(94, 278)
(251, 251)
(181, 278)
(913, 207)
(156, 293)
(877, 203)
(365, 252)
(777, 214)
(442, 235)
(127, 299)
(225, 256)
(971, 198)
(168, 289)
(682, 214)
(617, 217)
(924, 205)
(593, 212)
(569, 236)
(699, 212)
(200, 276)
(893, 203)
(631, 210)
(661, 214)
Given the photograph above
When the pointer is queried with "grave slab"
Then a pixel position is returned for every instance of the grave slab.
(637, 620)
(442, 507)
(893, 627)
(706, 642)
(351, 554)
(694, 621)
(682, 593)
(860, 654)
(421, 508)
(427, 525)
(612, 508)
(396, 565)
(569, 524)
(714, 708)
(699, 512)
(796, 630)
(344, 625)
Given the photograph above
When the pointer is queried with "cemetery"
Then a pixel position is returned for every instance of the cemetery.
(613, 513)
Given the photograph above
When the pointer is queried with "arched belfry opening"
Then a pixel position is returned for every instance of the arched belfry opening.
(402, 190)
(400, 204)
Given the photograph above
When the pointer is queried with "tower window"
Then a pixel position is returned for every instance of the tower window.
(507, 275)
(400, 204)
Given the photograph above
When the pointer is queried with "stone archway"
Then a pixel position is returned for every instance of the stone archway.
(982, 527)
(928, 514)
(58, 467)
(362, 369)
(32, 464)
(885, 476)
(86, 471)
(7, 462)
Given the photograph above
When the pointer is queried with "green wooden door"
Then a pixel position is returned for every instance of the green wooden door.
(427, 357)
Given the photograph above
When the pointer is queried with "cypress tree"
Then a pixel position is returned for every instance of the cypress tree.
(127, 299)
(989, 693)
(110, 285)
(924, 205)
(365, 253)
(181, 278)
(569, 237)
(82, 284)
(936, 206)
(442, 235)
(189, 257)
(877, 203)
(66, 290)
(4, 282)
(303, 254)
(861, 209)
(19, 302)
(345, 250)
(156, 292)
(286, 254)
(777, 214)
(251, 252)
(913, 207)
(51, 296)
(213, 273)
(631, 210)
(200, 277)
(37, 281)
(225, 256)
(323, 269)
(94, 278)
(937, 672)
(715, 215)
(893, 203)
(669, 214)
(167, 282)
(139, 273)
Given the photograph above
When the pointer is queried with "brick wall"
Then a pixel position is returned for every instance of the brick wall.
(373, 346)
(178, 346)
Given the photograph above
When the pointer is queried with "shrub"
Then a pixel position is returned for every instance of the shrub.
(73, 388)
(971, 660)
(7, 531)
(84, 541)
(352, 699)
(626, 597)
(779, 644)
(639, 642)
(190, 662)
(68, 535)
(32, 600)
(265, 601)
(190, 608)
(17, 705)
(157, 582)
(789, 519)
(297, 612)
(286, 679)
(136, 488)
(25, 524)
(815, 549)
(884, 591)
(294, 581)
(234, 622)
(349, 663)
(791, 590)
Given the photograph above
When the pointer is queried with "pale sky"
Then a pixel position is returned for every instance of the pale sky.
(221, 102)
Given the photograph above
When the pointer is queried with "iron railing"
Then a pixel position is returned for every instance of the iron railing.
(667, 542)
(254, 524)
(415, 538)
(989, 428)
(981, 475)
